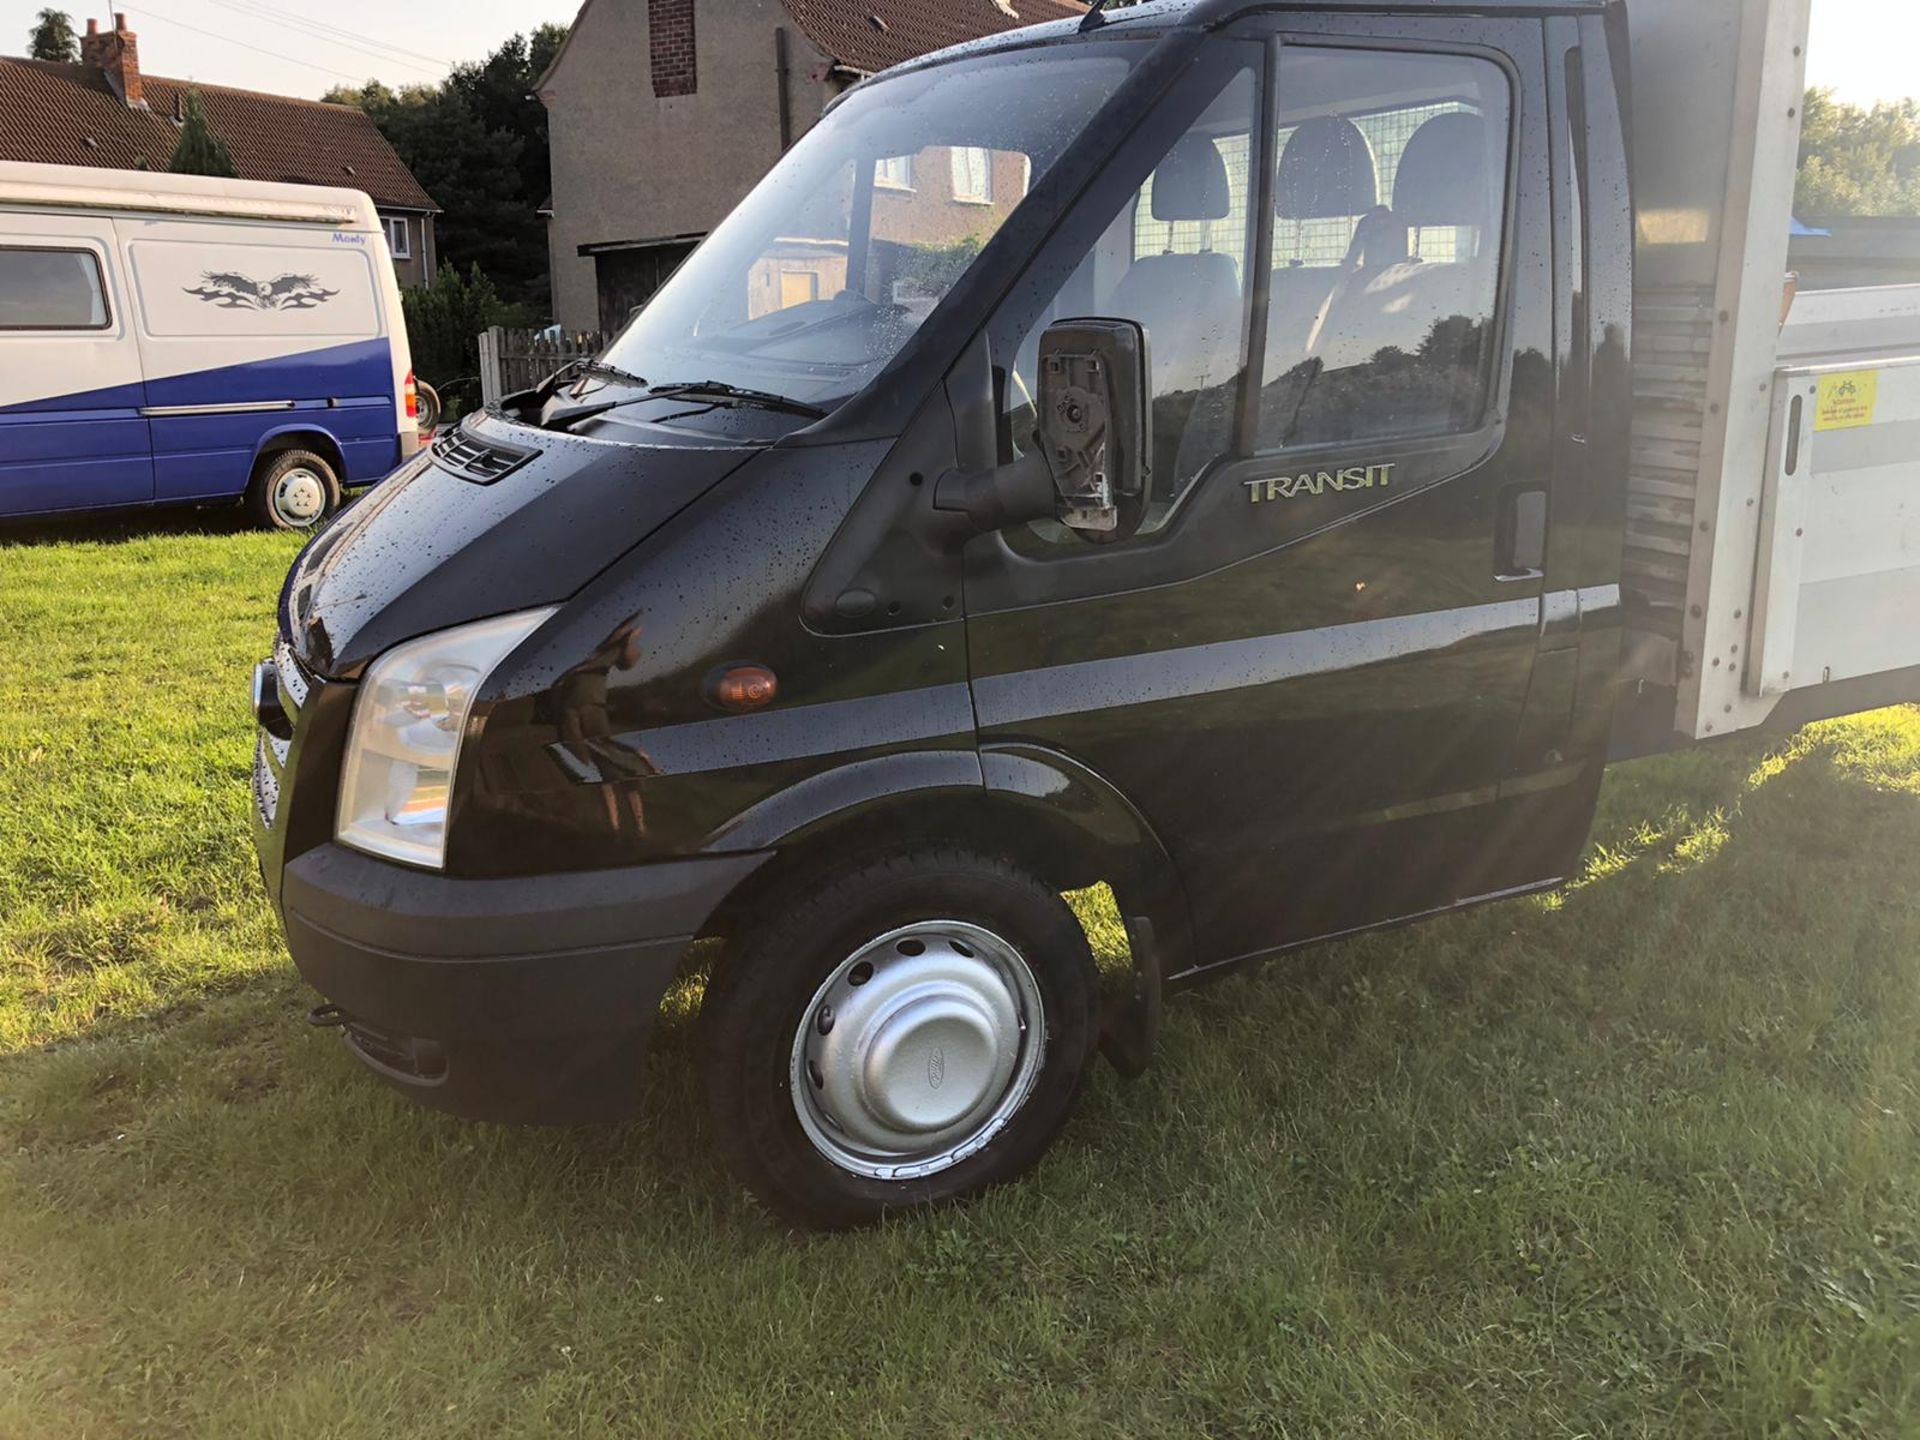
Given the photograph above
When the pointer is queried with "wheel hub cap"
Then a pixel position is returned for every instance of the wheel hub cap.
(299, 496)
(917, 1050)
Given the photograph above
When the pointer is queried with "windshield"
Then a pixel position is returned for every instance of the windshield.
(822, 274)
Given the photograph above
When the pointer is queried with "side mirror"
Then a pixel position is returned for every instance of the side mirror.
(1096, 424)
(1089, 465)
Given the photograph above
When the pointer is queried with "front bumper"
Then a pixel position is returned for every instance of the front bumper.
(523, 999)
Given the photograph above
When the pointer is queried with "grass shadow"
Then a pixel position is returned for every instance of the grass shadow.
(121, 526)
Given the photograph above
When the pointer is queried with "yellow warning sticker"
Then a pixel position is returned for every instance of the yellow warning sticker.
(1848, 400)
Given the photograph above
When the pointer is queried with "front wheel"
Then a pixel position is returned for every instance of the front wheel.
(293, 490)
(910, 1033)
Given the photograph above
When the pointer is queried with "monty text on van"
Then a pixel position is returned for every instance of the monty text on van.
(1278, 498)
(173, 339)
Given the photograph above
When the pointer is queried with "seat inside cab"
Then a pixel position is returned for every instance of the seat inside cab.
(1326, 173)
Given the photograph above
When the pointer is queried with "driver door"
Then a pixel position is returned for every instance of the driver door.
(1308, 668)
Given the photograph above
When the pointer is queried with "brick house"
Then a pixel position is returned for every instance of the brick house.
(104, 112)
(664, 113)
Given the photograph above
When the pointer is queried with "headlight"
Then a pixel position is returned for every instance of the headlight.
(404, 746)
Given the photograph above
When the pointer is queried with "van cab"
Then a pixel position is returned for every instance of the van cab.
(171, 339)
(1186, 449)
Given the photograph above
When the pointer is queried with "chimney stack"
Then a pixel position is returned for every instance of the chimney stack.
(119, 55)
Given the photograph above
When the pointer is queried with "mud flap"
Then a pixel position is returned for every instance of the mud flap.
(1130, 1030)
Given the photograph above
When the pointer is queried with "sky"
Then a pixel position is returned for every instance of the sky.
(1865, 49)
(299, 47)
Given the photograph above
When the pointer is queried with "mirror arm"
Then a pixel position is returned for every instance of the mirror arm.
(1006, 495)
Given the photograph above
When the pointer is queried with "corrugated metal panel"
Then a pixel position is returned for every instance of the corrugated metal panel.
(1673, 343)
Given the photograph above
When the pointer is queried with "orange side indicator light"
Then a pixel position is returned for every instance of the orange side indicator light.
(740, 687)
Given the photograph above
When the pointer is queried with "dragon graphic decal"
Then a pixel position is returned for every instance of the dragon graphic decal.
(232, 291)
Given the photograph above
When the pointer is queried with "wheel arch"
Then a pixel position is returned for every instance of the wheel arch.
(299, 437)
(1037, 808)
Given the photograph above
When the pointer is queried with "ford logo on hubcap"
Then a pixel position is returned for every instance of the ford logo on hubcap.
(937, 1067)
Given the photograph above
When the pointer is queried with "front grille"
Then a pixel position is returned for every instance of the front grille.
(480, 461)
(266, 782)
(294, 684)
(270, 753)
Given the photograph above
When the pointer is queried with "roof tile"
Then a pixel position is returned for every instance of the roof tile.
(870, 35)
(68, 115)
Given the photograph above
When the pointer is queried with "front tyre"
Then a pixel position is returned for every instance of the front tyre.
(910, 1033)
(293, 490)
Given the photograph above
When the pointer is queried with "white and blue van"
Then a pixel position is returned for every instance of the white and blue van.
(174, 339)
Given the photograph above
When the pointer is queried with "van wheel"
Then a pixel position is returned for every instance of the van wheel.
(907, 1034)
(293, 490)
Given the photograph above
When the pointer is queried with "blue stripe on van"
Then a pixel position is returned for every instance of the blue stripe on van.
(95, 449)
(71, 451)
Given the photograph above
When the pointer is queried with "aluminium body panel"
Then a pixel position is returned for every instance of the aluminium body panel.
(1837, 582)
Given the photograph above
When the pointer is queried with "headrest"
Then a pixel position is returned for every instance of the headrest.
(1191, 183)
(1379, 240)
(1326, 171)
(1443, 174)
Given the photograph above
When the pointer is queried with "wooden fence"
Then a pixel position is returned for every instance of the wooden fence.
(515, 360)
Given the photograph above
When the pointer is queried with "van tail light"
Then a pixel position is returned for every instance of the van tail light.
(413, 397)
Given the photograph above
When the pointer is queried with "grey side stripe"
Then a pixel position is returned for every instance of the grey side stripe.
(1260, 660)
(801, 732)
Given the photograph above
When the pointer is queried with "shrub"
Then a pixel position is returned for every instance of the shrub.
(444, 322)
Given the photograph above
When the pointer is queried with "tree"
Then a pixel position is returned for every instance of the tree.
(478, 143)
(53, 38)
(1858, 162)
(200, 151)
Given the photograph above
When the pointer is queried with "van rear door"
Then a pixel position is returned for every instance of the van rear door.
(250, 332)
(71, 433)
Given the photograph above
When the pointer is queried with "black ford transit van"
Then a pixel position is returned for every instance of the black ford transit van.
(1185, 449)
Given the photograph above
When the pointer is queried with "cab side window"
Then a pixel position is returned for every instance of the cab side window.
(51, 290)
(1389, 221)
(1174, 259)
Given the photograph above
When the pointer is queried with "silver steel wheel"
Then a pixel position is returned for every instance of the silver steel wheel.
(916, 1051)
(299, 496)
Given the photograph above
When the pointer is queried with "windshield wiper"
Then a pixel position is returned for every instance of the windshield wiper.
(613, 372)
(718, 391)
(736, 394)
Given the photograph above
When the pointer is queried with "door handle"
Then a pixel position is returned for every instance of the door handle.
(1520, 540)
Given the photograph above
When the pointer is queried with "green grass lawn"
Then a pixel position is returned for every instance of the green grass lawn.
(1639, 1158)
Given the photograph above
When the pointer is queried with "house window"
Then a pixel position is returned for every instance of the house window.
(399, 237)
(894, 173)
(798, 287)
(973, 174)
